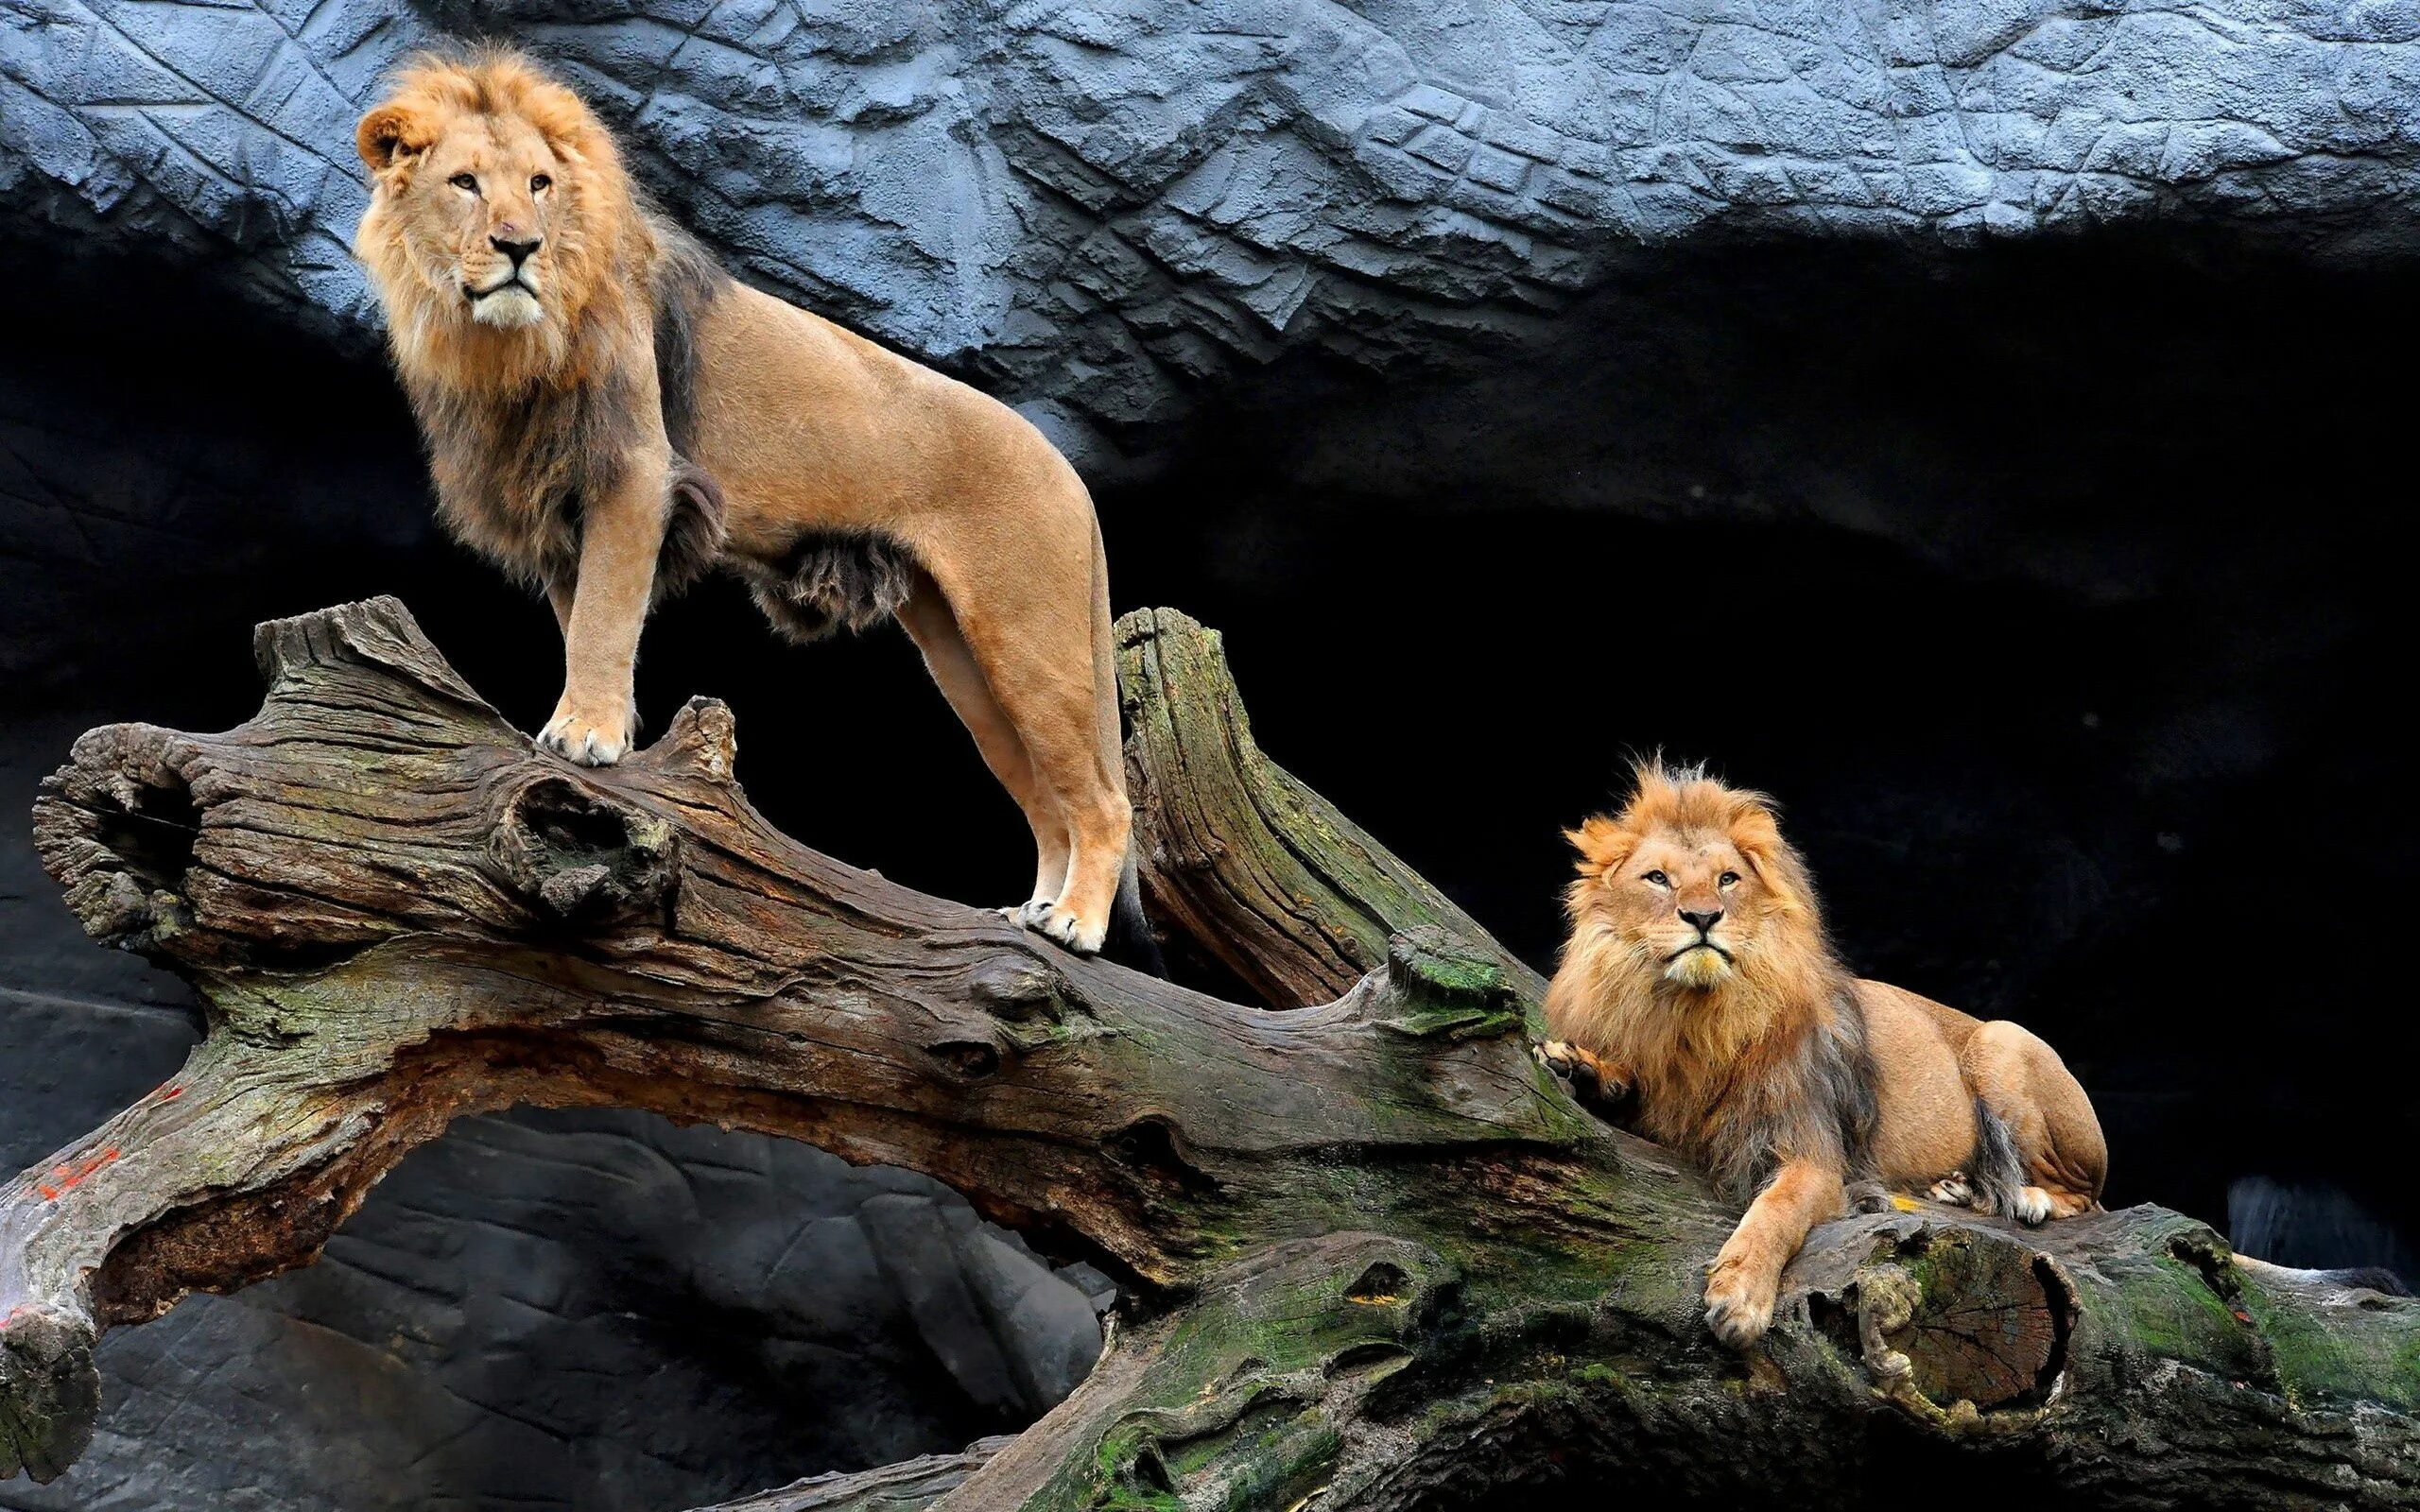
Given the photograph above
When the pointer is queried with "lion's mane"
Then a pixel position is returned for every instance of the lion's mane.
(1769, 1063)
(523, 426)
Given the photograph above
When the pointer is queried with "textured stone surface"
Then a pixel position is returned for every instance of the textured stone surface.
(597, 1312)
(1099, 204)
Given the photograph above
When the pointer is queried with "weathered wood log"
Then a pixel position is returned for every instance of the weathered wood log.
(1248, 865)
(1375, 1256)
(909, 1484)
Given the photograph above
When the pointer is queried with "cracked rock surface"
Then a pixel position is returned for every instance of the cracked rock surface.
(1100, 205)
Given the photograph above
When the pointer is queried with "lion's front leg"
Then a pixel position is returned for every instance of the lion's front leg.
(621, 535)
(1745, 1277)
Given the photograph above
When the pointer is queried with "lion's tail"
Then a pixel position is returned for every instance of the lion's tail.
(1994, 1169)
(1131, 940)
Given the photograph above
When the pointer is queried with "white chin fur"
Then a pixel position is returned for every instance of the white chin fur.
(1698, 968)
(508, 308)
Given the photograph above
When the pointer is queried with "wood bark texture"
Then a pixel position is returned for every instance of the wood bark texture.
(1374, 1256)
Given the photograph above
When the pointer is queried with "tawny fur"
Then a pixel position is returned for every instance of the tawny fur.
(607, 413)
(1699, 979)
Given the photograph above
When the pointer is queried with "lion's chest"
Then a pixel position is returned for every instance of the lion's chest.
(515, 471)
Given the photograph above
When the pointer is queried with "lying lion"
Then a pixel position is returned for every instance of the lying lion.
(609, 414)
(1698, 986)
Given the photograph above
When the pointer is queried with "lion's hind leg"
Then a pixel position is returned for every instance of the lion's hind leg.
(2056, 1158)
(926, 618)
(1037, 661)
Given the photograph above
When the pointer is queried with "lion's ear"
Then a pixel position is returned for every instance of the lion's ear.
(389, 134)
(1601, 843)
(1755, 831)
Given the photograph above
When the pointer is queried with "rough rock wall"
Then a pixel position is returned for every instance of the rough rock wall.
(603, 1313)
(1102, 204)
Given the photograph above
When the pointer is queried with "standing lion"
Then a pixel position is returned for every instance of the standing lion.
(609, 414)
(1699, 985)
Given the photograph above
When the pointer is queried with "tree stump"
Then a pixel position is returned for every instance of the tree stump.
(1374, 1257)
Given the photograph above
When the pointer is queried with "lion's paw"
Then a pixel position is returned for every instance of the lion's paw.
(1737, 1309)
(1590, 1079)
(2067, 1204)
(589, 741)
(1065, 927)
(1954, 1189)
(1029, 914)
(2032, 1205)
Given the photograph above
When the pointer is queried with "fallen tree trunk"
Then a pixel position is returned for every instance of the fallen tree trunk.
(1375, 1256)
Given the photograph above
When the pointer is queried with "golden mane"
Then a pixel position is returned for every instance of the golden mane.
(1769, 1060)
(524, 424)
(601, 250)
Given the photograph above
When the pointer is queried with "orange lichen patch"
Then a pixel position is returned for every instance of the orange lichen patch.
(172, 1091)
(64, 1179)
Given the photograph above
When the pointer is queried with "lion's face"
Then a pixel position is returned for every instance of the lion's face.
(1688, 894)
(1686, 905)
(496, 202)
(1689, 903)
(477, 216)
(472, 203)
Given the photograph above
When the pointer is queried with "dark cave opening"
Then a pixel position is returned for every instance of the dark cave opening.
(2053, 591)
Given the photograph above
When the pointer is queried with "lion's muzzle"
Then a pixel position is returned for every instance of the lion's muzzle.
(511, 301)
(1703, 962)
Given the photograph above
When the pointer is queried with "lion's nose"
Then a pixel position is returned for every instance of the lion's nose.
(518, 250)
(1704, 920)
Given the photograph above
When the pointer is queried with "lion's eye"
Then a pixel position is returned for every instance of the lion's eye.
(1658, 878)
(1728, 878)
(539, 183)
(465, 180)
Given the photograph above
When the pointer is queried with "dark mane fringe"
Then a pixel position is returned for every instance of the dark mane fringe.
(1818, 1103)
(515, 473)
(830, 580)
(512, 471)
(687, 282)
